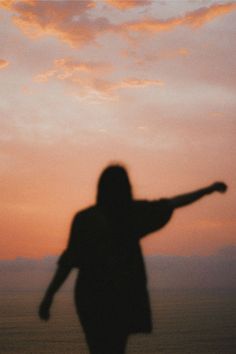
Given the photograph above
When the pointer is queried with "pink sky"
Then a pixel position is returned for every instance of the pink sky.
(85, 83)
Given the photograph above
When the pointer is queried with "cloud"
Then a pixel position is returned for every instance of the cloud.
(3, 63)
(86, 77)
(81, 75)
(69, 68)
(65, 20)
(146, 57)
(203, 15)
(128, 4)
(196, 18)
(107, 89)
(133, 82)
(75, 22)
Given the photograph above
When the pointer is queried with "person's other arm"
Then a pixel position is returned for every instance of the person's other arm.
(189, 198)
(58, 279)
(64, 267)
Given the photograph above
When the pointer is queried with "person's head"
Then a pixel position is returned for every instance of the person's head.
(114, 188)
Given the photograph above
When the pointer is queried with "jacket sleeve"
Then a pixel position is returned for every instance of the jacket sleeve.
(151, 216)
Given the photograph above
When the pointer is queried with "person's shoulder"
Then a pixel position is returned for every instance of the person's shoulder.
(86, 213)
(139, 205)
(144, 202)
(139, 202)
(148, 206)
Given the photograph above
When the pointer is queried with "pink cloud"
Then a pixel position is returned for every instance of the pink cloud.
(203, 15)
(71, 21)
(133, 82)
(127, 4)
(69, 68)
(86, 77)
(72, 69)
(3, 63)
(106, 89)
(194, 18)
(106, 86)
(66, 20)
(145, 57)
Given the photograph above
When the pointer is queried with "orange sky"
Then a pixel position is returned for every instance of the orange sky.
(85, 83)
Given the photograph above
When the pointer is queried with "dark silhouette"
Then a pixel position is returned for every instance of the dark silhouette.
(111, 294)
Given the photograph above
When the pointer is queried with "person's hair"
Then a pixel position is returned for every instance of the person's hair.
(114, 188)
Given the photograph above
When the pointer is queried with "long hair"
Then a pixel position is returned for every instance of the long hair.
(114, 188)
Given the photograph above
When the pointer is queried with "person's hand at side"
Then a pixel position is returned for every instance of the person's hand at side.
(44, 308)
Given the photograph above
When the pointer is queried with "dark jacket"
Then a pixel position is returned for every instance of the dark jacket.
(111, 288)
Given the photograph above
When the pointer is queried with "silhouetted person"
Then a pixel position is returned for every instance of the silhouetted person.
(111, 294)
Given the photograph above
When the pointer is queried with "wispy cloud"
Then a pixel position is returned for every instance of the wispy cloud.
(133, 82)
(3, 63)
(147, 57)
(86, 77)
(203, 15)
(196, 18)
(69, 68)
(107, 89)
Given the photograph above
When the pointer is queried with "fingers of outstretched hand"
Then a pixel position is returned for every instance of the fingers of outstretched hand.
(220, 187)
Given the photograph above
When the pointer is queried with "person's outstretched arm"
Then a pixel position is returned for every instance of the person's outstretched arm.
(189, 198)
(57, 280)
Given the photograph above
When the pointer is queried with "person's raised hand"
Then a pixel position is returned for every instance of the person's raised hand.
(219, 187)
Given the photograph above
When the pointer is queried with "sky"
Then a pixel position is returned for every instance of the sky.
(149, 84)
